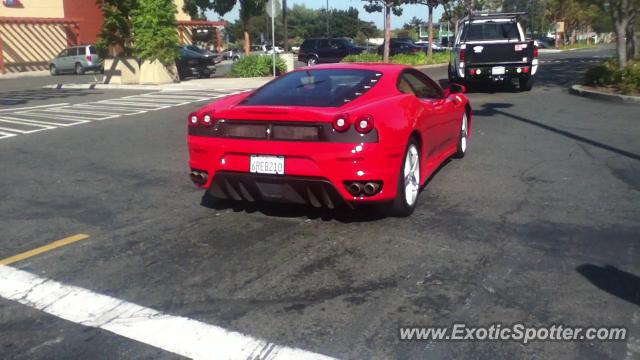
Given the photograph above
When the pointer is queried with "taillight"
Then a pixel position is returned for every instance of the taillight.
(341, 123)
(192, 120)
(90, 58)
(462, 55)
(206, 120)
(472, 71)
(535, 51)
(525, 69)
(364, 124)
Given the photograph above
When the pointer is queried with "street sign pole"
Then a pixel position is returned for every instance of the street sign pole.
(273, 36)
(273, 10)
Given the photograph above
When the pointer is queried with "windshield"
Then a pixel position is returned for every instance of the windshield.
(321, 88)
(491, 31)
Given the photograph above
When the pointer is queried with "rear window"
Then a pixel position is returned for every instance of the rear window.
(307, 44)
(321, 88)
(491, 31)
(92, 50)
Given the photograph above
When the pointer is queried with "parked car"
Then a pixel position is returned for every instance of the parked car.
(435, 46)
(193, 64)
(77, 59)
(232, 54)
(492, 47)
(326, 50)
(400, 47)
(337, 134)
(204, 52)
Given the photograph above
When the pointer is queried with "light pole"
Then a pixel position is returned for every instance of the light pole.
(327, 18)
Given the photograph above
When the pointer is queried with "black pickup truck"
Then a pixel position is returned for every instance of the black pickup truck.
(492, 47)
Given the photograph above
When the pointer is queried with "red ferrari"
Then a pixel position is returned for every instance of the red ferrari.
(330, 135)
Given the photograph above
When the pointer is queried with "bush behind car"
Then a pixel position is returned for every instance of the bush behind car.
(626, 80)
(404, 59)
(257, 66)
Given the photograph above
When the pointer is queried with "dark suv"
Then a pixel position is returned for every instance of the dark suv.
(326, 50)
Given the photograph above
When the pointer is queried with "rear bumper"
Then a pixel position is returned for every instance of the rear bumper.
(239, 186)
(321, 167)
(512, 71)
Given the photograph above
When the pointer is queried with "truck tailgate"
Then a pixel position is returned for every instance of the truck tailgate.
(499, 53)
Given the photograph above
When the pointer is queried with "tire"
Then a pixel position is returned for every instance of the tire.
(312, 60)
(53, 70)
(408, 185)
(79, 70)
(525, 83)
(235, 58)
(463, 137)
(451, 75)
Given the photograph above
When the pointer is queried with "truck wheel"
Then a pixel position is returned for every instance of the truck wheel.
(526, 84)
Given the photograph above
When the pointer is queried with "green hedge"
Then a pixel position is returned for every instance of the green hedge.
(626, 80)
(257, 66)
(404, 59)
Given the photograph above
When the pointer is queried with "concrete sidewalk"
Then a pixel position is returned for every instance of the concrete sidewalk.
(195, 84)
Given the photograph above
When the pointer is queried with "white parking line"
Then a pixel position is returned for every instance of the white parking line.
(4, 135)
(126, 103)
(23, 124)
(179, 335)
(71, 110)
(33, 107)
(50, 117)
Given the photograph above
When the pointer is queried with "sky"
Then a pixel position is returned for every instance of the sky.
(408, 11)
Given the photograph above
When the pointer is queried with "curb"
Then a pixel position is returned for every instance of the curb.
(430, 66)
(91, 86)
(580, 90)
(24, 74)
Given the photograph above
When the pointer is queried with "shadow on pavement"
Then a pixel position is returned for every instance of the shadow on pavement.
(342, 213)
(490, 109)
(613, 280)
(25, 96)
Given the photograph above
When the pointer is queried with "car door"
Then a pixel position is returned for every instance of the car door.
(324, 51)
(60, 60)
(440, 125)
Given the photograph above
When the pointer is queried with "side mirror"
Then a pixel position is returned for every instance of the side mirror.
(455, 88)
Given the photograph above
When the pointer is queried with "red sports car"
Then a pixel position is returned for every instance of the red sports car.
(330, 134)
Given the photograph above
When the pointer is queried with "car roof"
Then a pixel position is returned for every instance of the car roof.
(384, 68)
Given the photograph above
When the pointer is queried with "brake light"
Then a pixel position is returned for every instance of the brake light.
(535, 51)
(472, 71)
(364, 124)
(90, 58)
(525, 69)
(341, 123)
(207, 119)
(192, 119)
(462, 55)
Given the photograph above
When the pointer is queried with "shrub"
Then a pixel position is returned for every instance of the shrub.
(257, 66)
(363, 58)
(404, 59)
(155, 30)
(626, 80)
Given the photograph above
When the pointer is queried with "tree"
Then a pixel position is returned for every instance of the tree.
(248, 9)
(431, 4)
(388, 6)
(116, 35)
(155, 30)
(623, 15)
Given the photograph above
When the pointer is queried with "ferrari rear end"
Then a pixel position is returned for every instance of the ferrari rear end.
(296, 140)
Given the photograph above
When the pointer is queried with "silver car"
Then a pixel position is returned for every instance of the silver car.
(77, 59)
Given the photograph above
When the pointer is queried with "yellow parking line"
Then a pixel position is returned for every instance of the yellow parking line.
(43, 249)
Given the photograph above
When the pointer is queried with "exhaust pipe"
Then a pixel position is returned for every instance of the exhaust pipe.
(355, 188)
(371, 188)
(198, 177)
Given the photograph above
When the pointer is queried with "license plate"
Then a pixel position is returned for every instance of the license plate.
(497, 70)
(267, 164)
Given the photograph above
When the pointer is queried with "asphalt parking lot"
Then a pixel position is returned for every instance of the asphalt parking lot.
(538, 224)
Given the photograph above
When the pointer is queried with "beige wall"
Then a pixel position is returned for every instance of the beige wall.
(29, 47)
(35, 8)
(181, 15)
